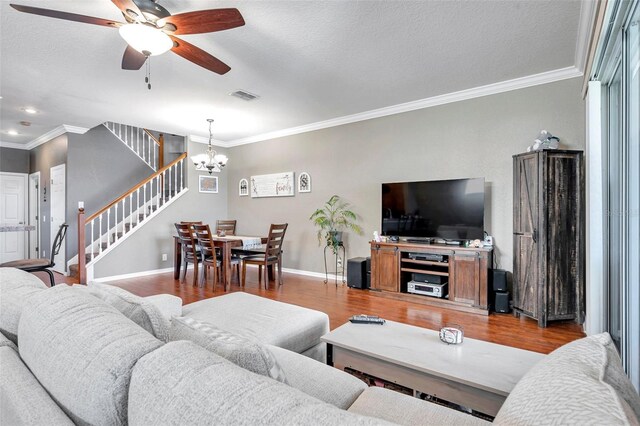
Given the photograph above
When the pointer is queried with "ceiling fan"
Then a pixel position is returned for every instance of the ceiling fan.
(151, 30)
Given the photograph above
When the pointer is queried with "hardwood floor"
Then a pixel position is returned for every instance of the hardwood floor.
(341, 302)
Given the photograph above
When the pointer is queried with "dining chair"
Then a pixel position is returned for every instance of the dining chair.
(199, 222)
(272, 256)
(208, 252)
(189, 249)
(227, 225)
(41, 264)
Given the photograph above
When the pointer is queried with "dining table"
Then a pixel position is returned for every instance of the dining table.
(226, 244)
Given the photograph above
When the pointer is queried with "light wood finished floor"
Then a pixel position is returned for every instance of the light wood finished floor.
(341, 302)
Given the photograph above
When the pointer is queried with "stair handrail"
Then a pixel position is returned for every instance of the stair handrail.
(135, 187)
(153, 138)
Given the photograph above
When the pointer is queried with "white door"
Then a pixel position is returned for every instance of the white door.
(34, 215)
(13, 209)
(58, 212)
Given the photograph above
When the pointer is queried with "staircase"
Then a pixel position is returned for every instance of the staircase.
(140, 141)
(103, 231)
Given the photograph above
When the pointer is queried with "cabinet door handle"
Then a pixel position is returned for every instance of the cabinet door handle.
(534, 236)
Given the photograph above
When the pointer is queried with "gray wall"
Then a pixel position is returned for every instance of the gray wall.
(143, 250)
(474, 138)
(100, 168)
(14, 160)
(41, 159)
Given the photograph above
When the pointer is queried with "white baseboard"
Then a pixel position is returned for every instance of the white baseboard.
(133, 275)
(331, 277)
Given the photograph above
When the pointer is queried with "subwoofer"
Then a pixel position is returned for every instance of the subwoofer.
(357, 272)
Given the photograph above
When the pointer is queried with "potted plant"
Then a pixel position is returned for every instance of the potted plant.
(332, 219)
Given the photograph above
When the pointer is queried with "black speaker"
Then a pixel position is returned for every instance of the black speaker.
(357, 272)
(499, 279)
(368, 272)
(502, 302)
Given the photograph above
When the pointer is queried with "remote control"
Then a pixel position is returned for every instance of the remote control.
(366, 319)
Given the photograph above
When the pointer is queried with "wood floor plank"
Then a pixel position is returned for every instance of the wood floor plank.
(341, 302)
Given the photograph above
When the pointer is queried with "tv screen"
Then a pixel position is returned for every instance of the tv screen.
(448, 209)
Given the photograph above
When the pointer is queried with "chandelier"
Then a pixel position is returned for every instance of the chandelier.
(210, 160)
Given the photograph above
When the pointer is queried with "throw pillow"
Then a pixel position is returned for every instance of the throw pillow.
(144, 313)
(248, 354)
(15, 288)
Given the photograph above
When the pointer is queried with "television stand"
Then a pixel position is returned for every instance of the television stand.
(465, 268)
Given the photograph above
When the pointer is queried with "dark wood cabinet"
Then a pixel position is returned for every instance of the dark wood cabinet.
(464, 269)
(548, 235)
(385, 269)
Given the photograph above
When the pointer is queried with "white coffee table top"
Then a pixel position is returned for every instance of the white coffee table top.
(476, 363)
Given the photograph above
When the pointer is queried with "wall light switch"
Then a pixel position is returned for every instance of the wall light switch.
(44, 218)
(164, 257)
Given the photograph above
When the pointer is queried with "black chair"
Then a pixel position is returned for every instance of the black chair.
(41, 264)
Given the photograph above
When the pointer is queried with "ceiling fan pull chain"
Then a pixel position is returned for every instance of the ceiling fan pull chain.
(147, 78)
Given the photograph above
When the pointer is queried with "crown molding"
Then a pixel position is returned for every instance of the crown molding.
(205, 140)
(54, 133)
(463, 95)
(588, 11)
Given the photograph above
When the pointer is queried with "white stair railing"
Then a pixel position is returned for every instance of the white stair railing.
(138, 140)
(106, 228)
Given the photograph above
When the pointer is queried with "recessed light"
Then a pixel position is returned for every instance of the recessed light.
(12, 132)
(30, 110)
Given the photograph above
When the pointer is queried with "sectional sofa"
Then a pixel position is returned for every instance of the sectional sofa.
(95, 355)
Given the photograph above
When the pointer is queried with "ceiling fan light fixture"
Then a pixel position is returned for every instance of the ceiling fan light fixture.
(146, 39)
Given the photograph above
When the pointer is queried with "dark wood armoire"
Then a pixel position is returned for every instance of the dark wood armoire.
(548, 235)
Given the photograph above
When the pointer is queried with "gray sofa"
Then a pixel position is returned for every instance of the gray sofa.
(83, 357)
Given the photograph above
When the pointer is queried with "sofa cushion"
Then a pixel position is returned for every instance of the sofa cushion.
(182, 383)
(8, 343)
(280, 324)
(15, 288)
(581, 382)
(82, 351)
(317, 379)
(170, 306)
(249, 354)
(406, 410)
(23, 401)
(143, 312)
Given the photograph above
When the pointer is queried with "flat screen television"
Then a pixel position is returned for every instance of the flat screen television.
(447, 209)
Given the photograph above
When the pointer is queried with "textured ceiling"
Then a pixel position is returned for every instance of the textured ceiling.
(309, 61)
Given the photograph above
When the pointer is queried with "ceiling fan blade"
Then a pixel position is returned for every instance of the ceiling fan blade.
(125, 5)
(67, 16)
(132, 59)
(204, 21)
(198, 56)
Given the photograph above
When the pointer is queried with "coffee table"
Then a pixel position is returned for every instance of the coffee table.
(476, 374)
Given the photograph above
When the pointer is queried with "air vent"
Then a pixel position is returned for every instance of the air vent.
(244, 95)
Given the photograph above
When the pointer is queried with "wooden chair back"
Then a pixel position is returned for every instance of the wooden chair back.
(275, 240)
(199, 222)
(185, 235)
(228, 226)
(203, 235)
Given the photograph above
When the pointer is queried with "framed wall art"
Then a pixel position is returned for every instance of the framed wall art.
(208, 184)
(304, 182)
(243, 188)
(273, 185)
